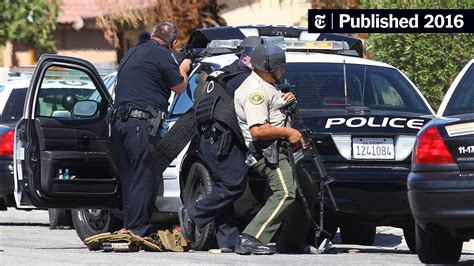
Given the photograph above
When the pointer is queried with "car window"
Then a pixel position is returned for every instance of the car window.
(61, 89)
(462, 99)
(109, 82)
(322, 86)
(13, 109)
(185, 100)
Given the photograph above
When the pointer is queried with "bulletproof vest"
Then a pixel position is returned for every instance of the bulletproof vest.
(216, 104)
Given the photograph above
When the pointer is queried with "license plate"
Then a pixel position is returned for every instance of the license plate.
(373, 148)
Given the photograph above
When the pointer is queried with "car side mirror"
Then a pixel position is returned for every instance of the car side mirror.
(85, 108)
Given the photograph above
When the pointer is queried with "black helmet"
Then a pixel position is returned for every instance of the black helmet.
(268, 57)
(249, 42)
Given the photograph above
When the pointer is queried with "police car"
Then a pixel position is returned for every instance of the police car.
(12, 95)
(440, 185)
(365, 115)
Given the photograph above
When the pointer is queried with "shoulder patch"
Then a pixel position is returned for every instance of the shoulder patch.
(256, 97)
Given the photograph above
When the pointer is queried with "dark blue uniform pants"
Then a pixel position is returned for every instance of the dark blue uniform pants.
(139, 186)
(230, 176)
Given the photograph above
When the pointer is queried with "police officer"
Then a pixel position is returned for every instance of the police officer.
(257, 104)
(146, 76)
(228, 171)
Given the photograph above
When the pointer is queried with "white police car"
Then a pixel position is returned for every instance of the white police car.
(440, 184)
(365, 116)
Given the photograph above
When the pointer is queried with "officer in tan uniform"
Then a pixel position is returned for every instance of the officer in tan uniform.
(257, 104)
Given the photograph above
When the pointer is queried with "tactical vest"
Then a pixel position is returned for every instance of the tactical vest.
(216, 104)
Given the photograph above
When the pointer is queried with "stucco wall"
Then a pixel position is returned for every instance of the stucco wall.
(286, 12)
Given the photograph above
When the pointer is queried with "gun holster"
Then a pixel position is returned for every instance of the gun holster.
(111, 115)
(223, 136)
(154, 120)
(124, 112)
(271, 153)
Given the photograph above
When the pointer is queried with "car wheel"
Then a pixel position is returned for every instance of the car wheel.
(357, 233)
(59, 218)
(89, 222)
(437, 246)
(410, 239)
(198, 184)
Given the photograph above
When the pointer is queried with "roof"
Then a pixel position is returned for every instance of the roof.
(303, 57)
(77, 10)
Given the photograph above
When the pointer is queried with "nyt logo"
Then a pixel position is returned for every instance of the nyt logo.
(320, 21)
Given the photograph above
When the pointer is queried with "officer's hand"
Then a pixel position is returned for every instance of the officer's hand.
(288, 96)
(185, 65)
(295, 137)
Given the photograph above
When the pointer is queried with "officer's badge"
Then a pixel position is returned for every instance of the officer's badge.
(256, 97)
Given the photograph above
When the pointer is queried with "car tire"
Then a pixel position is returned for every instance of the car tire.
(437, 246)
(89, 222)
(409, 235)
(198, 184)
(59, 218)
(358, 233)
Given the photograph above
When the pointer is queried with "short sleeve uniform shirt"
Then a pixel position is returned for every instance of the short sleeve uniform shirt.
(257, 102)
(147, 76)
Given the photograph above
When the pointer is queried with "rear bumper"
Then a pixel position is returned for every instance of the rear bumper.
(443, 199)
(373, 194)
(6, 178)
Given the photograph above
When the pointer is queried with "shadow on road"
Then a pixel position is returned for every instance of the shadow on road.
(59, 248)
(381, 240)
(355, 250)
(24, 224)
(387, 240)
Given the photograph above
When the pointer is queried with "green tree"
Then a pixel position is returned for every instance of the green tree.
(430, 60)
(30, 22)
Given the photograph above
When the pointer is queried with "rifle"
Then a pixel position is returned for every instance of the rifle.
(310, 151)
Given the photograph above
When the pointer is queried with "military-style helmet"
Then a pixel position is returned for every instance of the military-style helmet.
(248, 44)
(268, 57)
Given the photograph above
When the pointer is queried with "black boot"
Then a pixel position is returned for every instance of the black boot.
(250, 245)
(187, 225)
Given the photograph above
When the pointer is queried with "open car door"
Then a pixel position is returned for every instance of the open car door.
(63, 149)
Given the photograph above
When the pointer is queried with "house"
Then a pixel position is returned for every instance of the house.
(78, 35)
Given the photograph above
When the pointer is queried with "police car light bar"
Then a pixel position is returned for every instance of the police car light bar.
(288, 44)
(316, 45)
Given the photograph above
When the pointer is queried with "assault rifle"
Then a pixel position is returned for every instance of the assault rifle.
(310, 151)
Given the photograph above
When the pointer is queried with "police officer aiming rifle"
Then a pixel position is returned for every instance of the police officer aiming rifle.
(146, 76)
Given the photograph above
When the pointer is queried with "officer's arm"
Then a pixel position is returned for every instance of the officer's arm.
(183, 71)
(269, 132)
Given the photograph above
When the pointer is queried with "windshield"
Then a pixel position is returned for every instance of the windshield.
(462, 100)
(14, 106)
(321, 86)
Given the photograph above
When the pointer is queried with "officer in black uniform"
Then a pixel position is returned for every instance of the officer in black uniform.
(228, 171)
(146, 76)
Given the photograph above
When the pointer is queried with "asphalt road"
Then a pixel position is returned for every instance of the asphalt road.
(25, 238)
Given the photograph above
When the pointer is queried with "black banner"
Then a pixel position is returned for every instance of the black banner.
(391, 20)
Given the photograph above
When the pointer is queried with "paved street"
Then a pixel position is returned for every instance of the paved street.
(25, 238)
